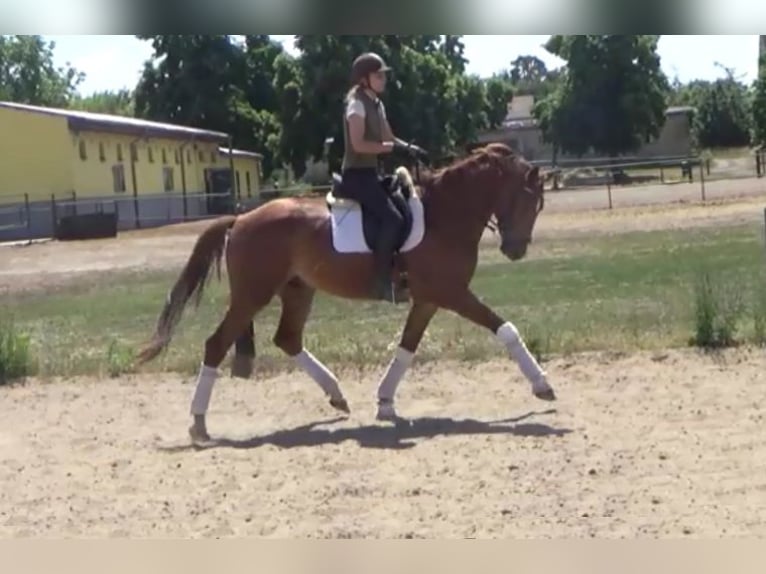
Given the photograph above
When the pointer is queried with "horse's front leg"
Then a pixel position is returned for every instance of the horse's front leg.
(471, 308)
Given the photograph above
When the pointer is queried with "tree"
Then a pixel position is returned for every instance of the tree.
(429, 99)
(120, 103)
(212, 82)
(723, 115)
(611, 98)
(29, 76)
(759, 105)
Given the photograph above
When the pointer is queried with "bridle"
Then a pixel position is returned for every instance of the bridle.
(494, 225)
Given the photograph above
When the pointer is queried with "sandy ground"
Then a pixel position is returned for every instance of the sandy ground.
(668, 445)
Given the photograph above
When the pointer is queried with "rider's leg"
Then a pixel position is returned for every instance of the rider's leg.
(364, 187)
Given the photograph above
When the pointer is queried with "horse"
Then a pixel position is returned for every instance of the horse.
(291, 248)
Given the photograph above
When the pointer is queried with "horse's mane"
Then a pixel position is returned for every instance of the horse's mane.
(494, 155)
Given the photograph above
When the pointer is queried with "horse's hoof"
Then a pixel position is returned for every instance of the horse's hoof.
(545, 395)
(198, 434)
(341, 405)
(386, 412)
(241, 367)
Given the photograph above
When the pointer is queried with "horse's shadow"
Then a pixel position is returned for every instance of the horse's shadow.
(402, 435)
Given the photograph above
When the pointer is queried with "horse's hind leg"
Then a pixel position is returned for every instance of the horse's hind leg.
(244, 354)
(418, 319)
(297, 298)
(240, 312)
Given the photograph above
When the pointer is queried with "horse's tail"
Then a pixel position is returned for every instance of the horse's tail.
(191, 282)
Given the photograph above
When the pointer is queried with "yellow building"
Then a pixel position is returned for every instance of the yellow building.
(48, 151)
(247, 170)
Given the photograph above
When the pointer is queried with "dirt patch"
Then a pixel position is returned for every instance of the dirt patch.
(669, 444)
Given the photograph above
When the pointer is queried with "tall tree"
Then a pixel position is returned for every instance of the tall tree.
(429, 99)
(723, 117)
(759, 103)
(612, 97)
(212, 82)
(119, 103)
(28, 74)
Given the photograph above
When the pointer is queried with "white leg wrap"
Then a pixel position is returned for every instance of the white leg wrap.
(205, 381)
(321, 374)
(509, 335)
(396, 369)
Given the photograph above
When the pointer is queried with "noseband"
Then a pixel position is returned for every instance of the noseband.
(493, 224)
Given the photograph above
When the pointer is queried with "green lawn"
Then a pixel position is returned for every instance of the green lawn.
(627, 291)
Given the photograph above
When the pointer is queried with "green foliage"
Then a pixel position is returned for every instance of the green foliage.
(612, 97)
(723, 115)
(15, 355)
(29, 76)
(529, 75)
(119, 103)
(286, 107)
(759, 107)
(717, 310)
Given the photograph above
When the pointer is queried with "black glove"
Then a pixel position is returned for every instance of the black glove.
(417, 152)
(412, 150)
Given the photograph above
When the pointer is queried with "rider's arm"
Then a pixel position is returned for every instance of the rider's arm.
(388, 134)
(356, 134)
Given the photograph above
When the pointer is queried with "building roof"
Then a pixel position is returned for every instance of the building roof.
(240, 153)
(89, 121)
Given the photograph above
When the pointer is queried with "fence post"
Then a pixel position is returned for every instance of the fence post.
(54, 215)
(702, 181)
(609, 193)
(28, 211)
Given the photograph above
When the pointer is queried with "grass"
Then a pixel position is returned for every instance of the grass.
(623, 292)
(15, 356)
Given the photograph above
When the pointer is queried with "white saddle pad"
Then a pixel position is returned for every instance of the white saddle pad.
(347, 232)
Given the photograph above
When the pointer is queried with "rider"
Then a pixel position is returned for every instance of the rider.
(367, 134)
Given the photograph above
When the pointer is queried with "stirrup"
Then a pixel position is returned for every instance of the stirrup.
(393, 293)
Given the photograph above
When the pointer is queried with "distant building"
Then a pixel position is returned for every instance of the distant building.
(247, 170)
(46, 151)
(520, 131)
(150, 173)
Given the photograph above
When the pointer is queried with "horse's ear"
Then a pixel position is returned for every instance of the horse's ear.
(533, 175)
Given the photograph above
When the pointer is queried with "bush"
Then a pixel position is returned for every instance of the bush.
(717, 310)
(14, 352)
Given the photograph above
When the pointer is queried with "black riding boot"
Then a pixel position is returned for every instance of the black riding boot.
(383, 285)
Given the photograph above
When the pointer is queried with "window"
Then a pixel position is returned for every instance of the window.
(239, 188)
(133, 152)
(177, 155)
(118, 178)
(201, 155)
(150, 154)
(101, 151)
(188, 156)
(167, 177)
(164, 156)
(247, 181)
(119, 152)
(83, 150)
(213, 157)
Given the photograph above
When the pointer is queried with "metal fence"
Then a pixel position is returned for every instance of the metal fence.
(26, 220)
(22, 219)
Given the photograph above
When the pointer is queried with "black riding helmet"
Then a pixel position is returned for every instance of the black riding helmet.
(367, 63)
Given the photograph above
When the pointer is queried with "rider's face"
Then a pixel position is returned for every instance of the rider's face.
(378, 81)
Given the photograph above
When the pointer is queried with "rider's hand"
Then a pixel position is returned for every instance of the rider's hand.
(417, 151)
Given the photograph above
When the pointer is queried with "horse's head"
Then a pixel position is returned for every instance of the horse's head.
(519, 199)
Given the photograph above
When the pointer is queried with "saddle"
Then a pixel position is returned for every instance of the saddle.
(397, 190)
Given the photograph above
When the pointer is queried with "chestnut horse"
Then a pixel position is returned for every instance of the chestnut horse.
(286, 248)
